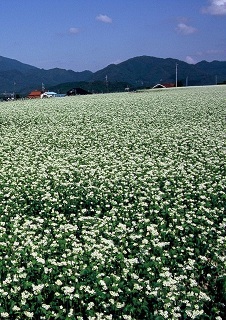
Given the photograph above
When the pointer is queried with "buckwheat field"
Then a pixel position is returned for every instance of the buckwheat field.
(112, 206)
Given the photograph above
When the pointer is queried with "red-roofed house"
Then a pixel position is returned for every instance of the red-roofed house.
(169, 85)
(34, 94)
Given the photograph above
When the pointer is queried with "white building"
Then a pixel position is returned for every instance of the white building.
(48, 94)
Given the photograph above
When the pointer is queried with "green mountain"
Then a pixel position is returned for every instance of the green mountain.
(143, 71)
(22, 78)
(148, 71)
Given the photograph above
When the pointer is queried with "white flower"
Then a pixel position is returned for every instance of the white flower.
(40, 260)
(46, 306)
(15, 308)
(29, 314)
(114, 294)
(90, 305)
(58, 282)
(70, 314)
(37, 289)
(120, 305)
(68, 290)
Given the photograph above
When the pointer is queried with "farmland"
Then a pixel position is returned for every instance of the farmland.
(112, 206)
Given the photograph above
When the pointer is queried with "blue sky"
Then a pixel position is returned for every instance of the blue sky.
(91, 34)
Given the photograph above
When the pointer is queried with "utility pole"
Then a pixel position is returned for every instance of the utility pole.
(14, 92)
(186, 81)
(106, 80)
(176, 74)
(216, 79)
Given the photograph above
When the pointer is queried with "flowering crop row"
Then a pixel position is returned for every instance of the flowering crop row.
(112, 206)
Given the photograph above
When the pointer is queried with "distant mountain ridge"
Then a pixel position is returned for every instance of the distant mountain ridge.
(22, 78)
(19, 77)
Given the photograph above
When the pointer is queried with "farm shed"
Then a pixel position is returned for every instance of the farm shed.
(34, 94)
(77, 91)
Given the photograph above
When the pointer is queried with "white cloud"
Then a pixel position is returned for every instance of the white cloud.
(185, 29)
(216, 7)
(73, 30)
(190, 60)
(104, 18)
